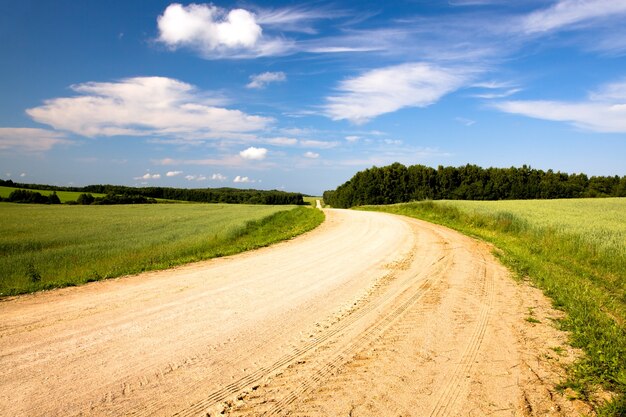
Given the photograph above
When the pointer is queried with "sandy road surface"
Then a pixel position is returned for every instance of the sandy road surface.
(370, 314)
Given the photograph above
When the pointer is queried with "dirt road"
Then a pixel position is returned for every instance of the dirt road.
(370, 314)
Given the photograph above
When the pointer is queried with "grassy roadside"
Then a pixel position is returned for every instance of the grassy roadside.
(584, 277)
(45, 247)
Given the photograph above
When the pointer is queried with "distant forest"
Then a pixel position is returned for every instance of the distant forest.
(397, 184)
(118, 193)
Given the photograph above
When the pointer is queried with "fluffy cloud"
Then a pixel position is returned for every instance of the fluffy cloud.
(240, 179)
(604, 111)
(217, 33)
(149, 176)
(389, 89)
(263, 79)
(218, 177)
(144, 106)
(252, 153)
(173, 173)
(311, 155)
(571, 12)
(29, 140)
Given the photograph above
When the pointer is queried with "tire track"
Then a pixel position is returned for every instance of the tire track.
(458, 379)
(374, 300)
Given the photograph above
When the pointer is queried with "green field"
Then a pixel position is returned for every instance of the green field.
(54, 246)
(575, 251)
(64, 196)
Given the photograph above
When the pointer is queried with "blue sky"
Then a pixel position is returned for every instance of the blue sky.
(301, 95)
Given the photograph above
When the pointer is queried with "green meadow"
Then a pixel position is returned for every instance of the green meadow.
(44, 247)
(575, 251)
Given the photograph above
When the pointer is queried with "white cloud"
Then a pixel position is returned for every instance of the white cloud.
(144, 106)
(389, 89)
(252, 153)
(173, 173)
(148, 176)
(22, 175)
(311, 155)
(218, 177)
(353, 138)
(195, 177)
(240, 179)
(604, 111)
(29, 139)
(571, 12)
(502, 94)
(263, 79)
(282, 141)
(217, 33)
(319, 144)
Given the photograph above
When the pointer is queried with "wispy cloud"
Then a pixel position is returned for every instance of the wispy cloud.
(144, 106)
(259, 81)
(604, 111)
(30, 140)
(568, 13)
(465, 121)
(389, 89)
(311, 155)
(318, 144)
(282, 141)
(173, 173)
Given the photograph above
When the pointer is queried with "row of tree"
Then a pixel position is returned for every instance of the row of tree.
(110, 199)
(396, 184)
(202, 195)
(205, 195)
(31, 197)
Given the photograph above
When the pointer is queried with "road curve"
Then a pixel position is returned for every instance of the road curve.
(369, 314)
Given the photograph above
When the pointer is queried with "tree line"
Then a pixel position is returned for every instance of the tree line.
(116, 193)
(397, 183)
(32, 197)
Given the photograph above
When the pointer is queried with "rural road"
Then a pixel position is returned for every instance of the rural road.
(368, 315)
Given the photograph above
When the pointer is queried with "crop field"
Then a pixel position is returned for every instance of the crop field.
(602, 220)
(64, 196)
(575, 251)
(54, 246)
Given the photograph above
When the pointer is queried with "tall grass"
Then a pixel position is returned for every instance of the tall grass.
(45, 247)
(582, 271)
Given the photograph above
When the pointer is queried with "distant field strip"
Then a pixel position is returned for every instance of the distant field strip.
(54, 246)
(64, 196)
(575, 251)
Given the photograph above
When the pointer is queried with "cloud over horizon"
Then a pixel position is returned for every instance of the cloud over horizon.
(142, 106)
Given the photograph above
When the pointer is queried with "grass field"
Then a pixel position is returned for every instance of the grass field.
(575, 250)
(45, 247)
(64, 196)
